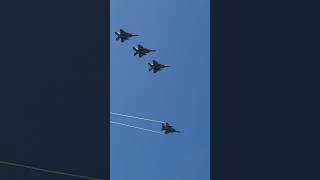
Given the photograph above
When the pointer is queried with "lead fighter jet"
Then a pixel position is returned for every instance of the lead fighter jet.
(155, 66)
(167, 128)
(123, 35)
(141, 50)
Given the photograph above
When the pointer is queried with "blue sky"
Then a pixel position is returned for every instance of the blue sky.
(180, 95)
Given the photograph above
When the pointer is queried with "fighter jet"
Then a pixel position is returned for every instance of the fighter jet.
(155, 66)
(141, 50)
(124, 35)
(167, 128)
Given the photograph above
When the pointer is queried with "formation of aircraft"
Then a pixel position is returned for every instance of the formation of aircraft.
(141, 50)
(154, 65)
(123, 35)
(167, 128)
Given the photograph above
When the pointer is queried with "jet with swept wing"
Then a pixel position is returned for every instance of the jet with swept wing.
(167, 128)
(141, 50)
(123, 35)
(155, 66)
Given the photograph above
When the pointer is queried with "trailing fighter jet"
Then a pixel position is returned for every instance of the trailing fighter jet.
(141, 50)
(156, 66)
(124, 35)
(167, 128)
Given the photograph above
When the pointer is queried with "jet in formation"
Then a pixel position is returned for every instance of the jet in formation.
(167, 128)
(155, 66)
(141, 50)
(123, 35)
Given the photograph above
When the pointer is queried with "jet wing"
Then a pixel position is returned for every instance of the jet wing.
(155, 70)
(122, 31)
(168, 125)
(141, 54)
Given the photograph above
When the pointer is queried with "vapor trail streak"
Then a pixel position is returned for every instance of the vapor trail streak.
(48, 171)
(136, 127)
(152, 120)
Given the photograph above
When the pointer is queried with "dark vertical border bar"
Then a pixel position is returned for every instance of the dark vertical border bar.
(213, 79)
(214, 46)
(107, 83)
(54, 95)
(265, 68)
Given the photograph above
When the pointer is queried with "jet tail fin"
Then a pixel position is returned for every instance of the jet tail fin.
(150, 68)
(162, 128)
(136, 51)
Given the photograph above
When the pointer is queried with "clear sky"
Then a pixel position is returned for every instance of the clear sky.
(180, 32)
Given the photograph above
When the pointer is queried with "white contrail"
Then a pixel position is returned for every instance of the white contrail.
(136, 127)
(152, 120)
(48, 171)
